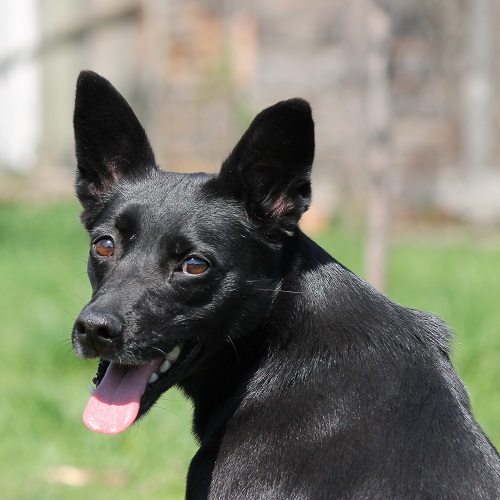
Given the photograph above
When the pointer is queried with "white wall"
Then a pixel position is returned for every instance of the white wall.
(20, 105)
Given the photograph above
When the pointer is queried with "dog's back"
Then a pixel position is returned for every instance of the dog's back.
(307, 383)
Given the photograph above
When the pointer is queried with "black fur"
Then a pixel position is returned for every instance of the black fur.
(307, 383)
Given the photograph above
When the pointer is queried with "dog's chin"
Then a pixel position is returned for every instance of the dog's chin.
(166, 372)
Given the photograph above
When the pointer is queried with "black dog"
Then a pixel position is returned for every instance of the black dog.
(306, 382)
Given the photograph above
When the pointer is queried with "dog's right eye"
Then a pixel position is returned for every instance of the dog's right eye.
(194, 265)
(105, 247)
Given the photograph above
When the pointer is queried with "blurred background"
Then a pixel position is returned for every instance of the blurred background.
(406, 187)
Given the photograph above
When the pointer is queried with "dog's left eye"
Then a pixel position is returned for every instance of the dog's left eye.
(194, 265)
(105, 247)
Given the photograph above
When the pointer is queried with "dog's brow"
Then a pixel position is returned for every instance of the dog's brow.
(127, 222)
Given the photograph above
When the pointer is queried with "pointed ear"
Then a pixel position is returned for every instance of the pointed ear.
(269, 169)
(110, 142)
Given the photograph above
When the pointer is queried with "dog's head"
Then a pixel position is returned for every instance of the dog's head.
(180, 264)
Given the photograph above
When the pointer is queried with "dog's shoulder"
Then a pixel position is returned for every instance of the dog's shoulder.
(354, 388)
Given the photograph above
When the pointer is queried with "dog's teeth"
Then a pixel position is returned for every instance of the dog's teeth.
(174, 353)
(153, 378)
(91, 389)
(165, 366)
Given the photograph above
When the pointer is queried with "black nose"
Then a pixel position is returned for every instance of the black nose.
(99, 331)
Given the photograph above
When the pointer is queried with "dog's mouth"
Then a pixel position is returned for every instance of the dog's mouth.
(126, 392)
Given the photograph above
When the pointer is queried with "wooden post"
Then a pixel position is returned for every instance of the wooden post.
(378, 147)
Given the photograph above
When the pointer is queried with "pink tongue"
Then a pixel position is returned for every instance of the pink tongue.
(115, 403)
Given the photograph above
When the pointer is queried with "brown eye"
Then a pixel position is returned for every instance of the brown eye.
(105, 247)
(195, 265)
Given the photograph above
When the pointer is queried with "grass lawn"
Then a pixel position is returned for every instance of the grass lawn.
(47, 453)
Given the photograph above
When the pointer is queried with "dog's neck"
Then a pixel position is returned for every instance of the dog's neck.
(235, 364)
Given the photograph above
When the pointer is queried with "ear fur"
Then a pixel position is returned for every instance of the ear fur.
(110, 142)
(269, 169)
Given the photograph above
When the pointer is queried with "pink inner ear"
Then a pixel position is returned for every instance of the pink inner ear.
(114, 176)
(114, 170)
(281, 205)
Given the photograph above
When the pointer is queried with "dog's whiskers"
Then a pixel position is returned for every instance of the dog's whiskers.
(158, 349)
(230, 340)
(278, 291)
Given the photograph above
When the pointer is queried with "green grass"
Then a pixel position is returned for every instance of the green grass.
(44, 386)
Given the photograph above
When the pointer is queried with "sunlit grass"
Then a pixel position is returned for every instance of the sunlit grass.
(44, 386)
